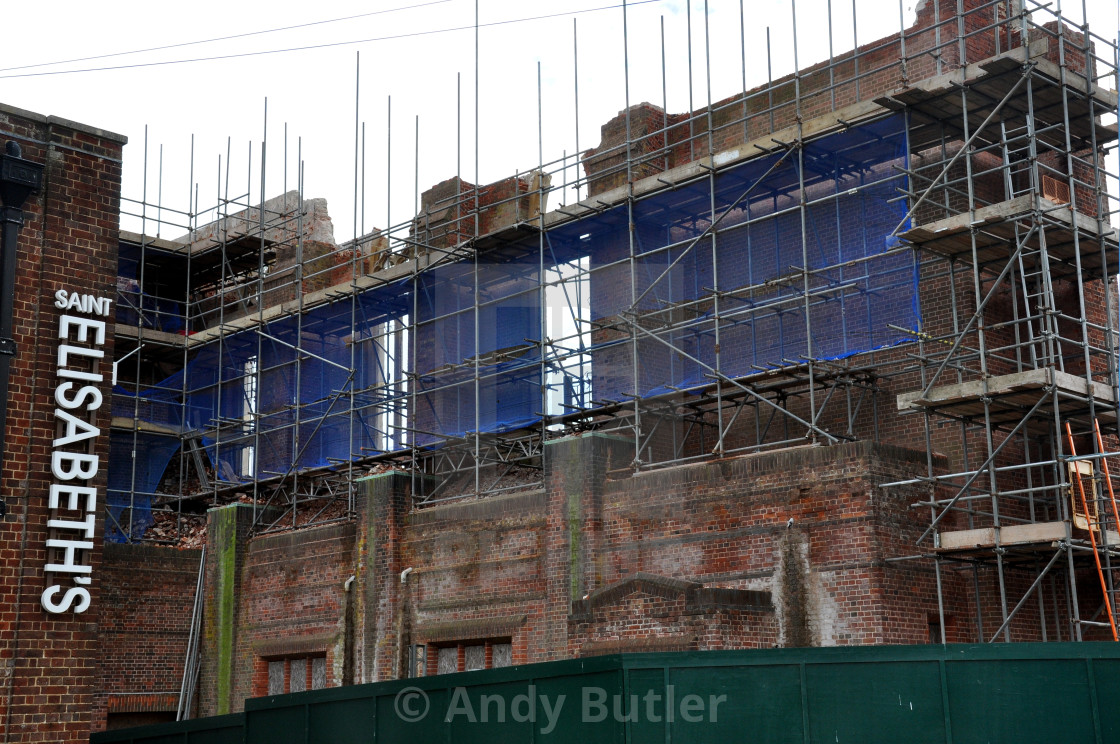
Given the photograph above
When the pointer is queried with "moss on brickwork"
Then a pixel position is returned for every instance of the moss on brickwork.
(574, 534)
(224, 536)
(578, 461)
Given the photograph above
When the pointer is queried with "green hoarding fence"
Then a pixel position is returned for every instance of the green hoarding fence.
(966, 694)
(216, 730)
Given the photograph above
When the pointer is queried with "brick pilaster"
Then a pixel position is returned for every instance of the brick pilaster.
(575, 470)
(387, 497)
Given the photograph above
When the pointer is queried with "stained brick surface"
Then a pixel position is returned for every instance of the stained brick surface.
(695, 557)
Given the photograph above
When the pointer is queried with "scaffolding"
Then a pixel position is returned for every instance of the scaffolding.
(1010, 193)
(912, 239)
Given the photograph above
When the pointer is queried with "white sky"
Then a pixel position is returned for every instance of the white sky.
(312, 91)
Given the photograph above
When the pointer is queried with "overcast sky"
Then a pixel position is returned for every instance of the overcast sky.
(411, 50)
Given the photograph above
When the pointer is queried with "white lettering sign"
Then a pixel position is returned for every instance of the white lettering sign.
(73, 500)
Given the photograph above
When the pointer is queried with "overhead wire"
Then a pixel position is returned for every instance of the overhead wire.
(327, 45)
(225, 38)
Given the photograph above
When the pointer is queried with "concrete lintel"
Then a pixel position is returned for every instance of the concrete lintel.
(952, 80)
(127, 424)
(1019, 207)
(288, 646)
(469, 629)
(1104, 96)
(588, 435)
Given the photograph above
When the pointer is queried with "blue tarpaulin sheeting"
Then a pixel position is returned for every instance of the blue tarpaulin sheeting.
(777, 283)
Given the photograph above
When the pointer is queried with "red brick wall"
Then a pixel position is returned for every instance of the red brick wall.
(147, 601)
(532, 557)
(296, 602)
(931, 46)
(864, 75)
(478, 573)
(48, 663)
(522, 566)
(289, 599)
(725, 524)
(693, 557)
(447, 213)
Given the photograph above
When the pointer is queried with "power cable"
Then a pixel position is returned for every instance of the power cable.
(225, 38)
(329, 44)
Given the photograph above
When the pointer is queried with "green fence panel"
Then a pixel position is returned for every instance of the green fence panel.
(587, 710)
(228, 729)
(646, 693)
(340, 715)
(1106, 682)
(1026, 701)
(406, 716)
(1023, 693)
(764, 700)
(871, 702)
(341, 721)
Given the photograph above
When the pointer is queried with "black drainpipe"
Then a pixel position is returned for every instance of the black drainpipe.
(19, 178)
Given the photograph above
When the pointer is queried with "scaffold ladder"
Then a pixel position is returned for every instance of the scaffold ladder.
(1098, 526)
(1114, 590)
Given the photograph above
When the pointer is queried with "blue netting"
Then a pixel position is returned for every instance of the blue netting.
(458, 348)
(506, 361)
(129, 491)
(138, 308)
(758, 262)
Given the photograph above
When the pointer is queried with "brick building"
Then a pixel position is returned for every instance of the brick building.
(794, 371)
(49, 652)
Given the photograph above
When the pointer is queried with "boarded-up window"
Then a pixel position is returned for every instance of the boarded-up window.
(276, 678)
(294, 673)
(449, 660)
(503, 655)
(475, 658)
(318, 673)
(469, 656)
(298, 675)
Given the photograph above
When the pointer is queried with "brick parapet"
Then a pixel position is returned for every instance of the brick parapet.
(700, 556)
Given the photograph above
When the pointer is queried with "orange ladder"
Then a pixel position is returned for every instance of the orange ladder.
(1089, 516)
